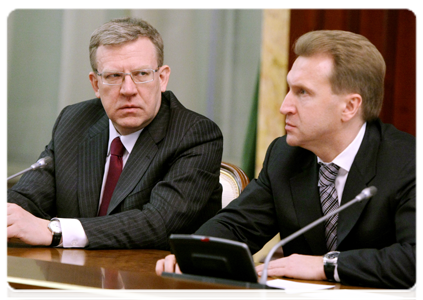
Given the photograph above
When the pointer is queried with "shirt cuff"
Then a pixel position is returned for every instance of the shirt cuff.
(73, 234)
(336, 275)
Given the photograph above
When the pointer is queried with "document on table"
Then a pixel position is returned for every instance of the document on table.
(290, 286)
(350, 295)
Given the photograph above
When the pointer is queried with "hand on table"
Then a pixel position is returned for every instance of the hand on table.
(26, 227)
(296, 266)
(167, 264)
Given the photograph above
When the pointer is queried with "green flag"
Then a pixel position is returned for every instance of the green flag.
(249, 155)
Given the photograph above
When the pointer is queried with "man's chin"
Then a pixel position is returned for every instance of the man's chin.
(126, 128)
(291, 140)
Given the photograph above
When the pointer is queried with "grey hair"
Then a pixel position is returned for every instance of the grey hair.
(119, 31)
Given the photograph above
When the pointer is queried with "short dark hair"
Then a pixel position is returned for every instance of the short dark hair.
(358, 65)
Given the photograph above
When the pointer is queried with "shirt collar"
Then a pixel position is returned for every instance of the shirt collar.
(127, 140)
(346, 158)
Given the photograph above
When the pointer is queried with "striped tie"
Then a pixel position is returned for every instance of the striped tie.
(329, 200)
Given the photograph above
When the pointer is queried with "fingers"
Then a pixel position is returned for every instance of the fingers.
(167, 264)
(177, 270)
(296, 266)
(23, 225)
(12, 209)
(170, 263)
(14, 213)
(272, 264)
(277, 271)
(160, 267)
(259, 268)
(278, 267)
(11, 232)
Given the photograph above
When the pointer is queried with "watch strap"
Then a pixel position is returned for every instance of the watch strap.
(330, 262)
(57, 237)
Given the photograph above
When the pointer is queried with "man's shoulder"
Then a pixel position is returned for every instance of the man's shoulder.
(80, 116)
(177, 122)
(392, 147)
(280, 145)
(390, 132)
(390, 137)
(178, 109)
(281, 153)
(184, 117)
(92, 104)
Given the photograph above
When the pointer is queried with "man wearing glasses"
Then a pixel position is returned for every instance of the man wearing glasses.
(129, 167)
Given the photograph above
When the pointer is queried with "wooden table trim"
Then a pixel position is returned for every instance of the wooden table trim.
(71, 290)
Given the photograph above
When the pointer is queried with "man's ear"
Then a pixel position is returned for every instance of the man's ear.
(94, 84)
(352, 106)
(164, 77)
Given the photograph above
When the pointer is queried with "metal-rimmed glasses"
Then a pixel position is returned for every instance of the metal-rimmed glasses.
(138, 76)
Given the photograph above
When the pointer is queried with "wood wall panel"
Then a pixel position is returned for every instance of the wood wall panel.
(405, 75)
(393, 32)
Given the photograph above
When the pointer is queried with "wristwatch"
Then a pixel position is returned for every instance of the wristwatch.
(56, 231)
(330, 262)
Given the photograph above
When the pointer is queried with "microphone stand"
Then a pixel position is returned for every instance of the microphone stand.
(366, 193)
(41, 163)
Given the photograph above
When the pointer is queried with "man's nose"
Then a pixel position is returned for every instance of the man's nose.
(287, 106)
(128, 85)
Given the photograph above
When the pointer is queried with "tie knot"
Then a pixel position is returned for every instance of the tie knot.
(328, 173)
(117, 147)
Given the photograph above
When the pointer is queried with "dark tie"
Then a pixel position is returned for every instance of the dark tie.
(329, 200)
(115, 169)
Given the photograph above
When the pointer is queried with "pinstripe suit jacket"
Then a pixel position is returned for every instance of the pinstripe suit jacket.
(170, 183)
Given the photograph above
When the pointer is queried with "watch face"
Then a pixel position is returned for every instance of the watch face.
(55, 226)
(331, 256)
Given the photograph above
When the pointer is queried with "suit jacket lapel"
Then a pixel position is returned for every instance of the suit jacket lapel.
(91, 159)
(306, 200)
(138, 162)
(142, 155)
(361, 173)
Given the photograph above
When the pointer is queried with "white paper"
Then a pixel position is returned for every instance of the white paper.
(290, 286)
(350, 295)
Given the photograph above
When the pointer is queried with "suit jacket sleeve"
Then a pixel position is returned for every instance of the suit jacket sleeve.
(251, 218)
(35, 190)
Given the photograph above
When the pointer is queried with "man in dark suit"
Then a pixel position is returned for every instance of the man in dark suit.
(170, 156)
(336, 91)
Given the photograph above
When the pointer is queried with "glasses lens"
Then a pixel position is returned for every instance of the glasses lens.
(142, 76)
(139, 76)
(112, 77)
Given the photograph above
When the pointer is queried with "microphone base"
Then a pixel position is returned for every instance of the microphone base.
(215, 280)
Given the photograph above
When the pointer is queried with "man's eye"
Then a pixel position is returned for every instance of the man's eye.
(141, 73)
(113, 75)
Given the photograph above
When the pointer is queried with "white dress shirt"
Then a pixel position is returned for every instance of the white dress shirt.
(73, 234)
(345, 160)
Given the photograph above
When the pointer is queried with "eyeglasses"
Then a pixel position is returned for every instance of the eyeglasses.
(138, 76)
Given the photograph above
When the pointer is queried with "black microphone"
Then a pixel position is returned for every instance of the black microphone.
(41, 163)
(366, 193)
